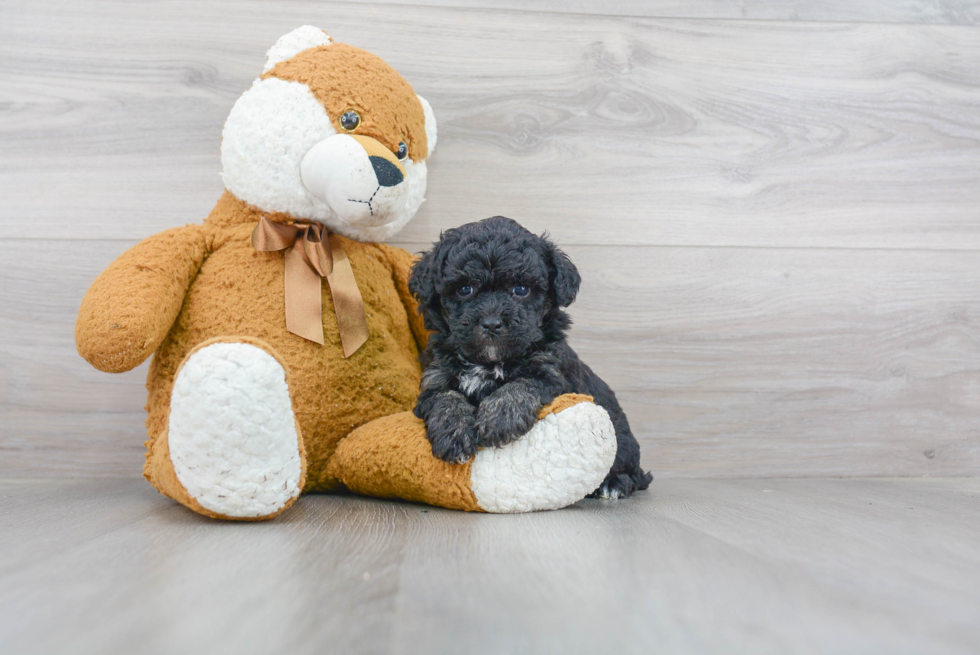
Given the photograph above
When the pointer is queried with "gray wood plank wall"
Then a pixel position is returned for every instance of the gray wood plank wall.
(775, 206)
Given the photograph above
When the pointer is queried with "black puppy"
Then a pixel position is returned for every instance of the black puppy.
(491, 292)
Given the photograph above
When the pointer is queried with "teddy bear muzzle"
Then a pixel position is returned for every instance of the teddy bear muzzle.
(359, 179)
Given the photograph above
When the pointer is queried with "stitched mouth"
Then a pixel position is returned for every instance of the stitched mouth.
(368, 201)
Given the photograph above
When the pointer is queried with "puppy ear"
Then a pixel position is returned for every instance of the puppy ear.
(422, 280)
(422, 284)
(565, 280)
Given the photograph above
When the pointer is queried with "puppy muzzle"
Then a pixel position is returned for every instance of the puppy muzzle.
(360, 180)
(491, 340)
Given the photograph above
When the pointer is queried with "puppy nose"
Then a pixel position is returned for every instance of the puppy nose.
(387, 173)
(491, 324)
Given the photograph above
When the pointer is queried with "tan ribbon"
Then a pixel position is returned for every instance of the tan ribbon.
(309, 256)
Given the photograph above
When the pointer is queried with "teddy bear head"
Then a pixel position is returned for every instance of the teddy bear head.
(329, 133)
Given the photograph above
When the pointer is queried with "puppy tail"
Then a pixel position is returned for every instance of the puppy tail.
(642, 479)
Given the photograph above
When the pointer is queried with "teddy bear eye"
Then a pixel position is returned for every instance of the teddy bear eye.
(350, 120)
(521, 291)
(465, 291)
(402, 151)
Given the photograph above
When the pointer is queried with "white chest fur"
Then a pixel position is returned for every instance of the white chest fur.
(476, 378)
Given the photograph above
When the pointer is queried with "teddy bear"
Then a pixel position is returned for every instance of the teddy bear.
(266, 383)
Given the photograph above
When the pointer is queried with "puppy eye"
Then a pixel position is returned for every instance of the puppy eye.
(521, 291)
(350, 120)
(402, 151)
(465, 292)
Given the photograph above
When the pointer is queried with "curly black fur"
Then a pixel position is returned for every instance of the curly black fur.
(491, 292)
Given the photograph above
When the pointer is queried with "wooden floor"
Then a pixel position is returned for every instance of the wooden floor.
(692, 566)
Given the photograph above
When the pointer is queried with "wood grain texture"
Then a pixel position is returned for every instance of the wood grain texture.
(58, 415)
(777, 220)
(746, 361)
(616, 130)
(944, 12)
(691, 566)
(729, 361)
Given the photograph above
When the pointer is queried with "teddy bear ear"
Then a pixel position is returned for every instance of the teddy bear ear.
(290, 45)
(430, 125)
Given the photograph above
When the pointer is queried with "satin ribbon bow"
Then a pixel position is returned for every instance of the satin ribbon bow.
(313, 253)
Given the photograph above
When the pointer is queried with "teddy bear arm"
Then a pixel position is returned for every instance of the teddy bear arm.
(401, 268)
(129, 309)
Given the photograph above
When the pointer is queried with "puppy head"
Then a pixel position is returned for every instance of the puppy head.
(492, 289)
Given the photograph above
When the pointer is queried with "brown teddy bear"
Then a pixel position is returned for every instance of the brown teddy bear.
(266, 383)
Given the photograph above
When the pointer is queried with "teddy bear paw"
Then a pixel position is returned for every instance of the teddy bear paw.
(233, 440)
(565, 456)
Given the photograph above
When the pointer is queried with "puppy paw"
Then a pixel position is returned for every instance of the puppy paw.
(503, 419)
(452, 436)
(614, 487)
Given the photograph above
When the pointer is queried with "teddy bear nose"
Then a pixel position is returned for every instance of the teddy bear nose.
(387, 173)
(492, 324)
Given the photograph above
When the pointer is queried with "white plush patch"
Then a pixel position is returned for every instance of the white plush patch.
(290, 45)
(431, 134)
(268, 132)
(232, 433)
(558, 462)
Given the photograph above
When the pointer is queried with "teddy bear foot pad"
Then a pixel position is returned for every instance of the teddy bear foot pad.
(233, 439)
(565, 456)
